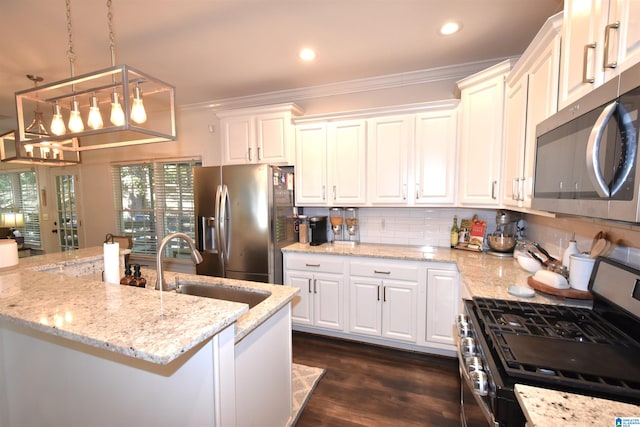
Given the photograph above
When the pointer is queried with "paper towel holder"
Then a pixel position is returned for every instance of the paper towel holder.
(108, 237)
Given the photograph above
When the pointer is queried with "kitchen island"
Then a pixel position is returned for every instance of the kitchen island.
(76, 351)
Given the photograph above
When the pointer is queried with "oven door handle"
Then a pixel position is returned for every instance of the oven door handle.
(464, 376)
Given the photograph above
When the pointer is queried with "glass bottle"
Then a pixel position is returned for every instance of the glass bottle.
(454, 232)
(128, 277)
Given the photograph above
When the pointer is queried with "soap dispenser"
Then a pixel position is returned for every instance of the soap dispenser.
(572, 249)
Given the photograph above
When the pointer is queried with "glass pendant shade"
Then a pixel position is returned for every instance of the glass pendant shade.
(75, 120)
(57, 122)
(95, 117)
(138, 114)
(117, 113)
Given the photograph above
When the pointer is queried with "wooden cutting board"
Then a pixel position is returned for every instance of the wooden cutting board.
(560, 293)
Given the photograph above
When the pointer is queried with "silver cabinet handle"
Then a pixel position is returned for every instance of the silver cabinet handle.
(514, 190)
(417, 190)
(381, 272)
(315, 287)
(334, 192)
(259, 153)
(378, 292)
(607, 33)
(249, 153)
(323, 193)
(404, 191)
(384, 294)
(493, 189)
(312, 265)
(585, 63)
(309, 285)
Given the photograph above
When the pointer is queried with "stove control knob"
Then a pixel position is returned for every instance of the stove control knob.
(464, 330)
(462, 318)
(480, 383)
(474, 364)
(468, 346)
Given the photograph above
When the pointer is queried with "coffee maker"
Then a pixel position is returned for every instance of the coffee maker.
(318, 227)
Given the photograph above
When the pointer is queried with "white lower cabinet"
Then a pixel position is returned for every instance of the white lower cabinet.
(443, 299)
(380, 304)
(321, 282)
(400, 303)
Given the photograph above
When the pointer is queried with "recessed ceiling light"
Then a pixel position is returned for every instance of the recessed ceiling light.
(450, 28)
(307, 54)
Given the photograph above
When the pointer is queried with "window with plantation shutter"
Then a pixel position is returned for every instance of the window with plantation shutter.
(154, 200)
(19, 192)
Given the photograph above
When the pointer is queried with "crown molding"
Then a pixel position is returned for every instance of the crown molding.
(450, 72)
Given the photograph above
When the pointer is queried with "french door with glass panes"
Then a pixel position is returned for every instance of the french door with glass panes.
(67, 218)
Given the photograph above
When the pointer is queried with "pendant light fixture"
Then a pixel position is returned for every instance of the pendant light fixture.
(116, 91)
(42, 152)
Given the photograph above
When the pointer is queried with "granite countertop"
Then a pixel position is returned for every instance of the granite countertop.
(61, 294)
(544, 407)
(482, 275)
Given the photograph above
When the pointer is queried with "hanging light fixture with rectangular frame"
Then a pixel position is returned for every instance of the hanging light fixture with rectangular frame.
(85, 98)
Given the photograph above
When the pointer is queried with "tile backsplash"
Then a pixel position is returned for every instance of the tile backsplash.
(431, 227)
(411, 226)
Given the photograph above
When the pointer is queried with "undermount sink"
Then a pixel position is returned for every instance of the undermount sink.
(222, 292)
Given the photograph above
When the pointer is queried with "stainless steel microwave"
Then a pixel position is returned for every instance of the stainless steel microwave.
(587, 154)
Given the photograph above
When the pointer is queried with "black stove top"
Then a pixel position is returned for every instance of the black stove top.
(575, 348)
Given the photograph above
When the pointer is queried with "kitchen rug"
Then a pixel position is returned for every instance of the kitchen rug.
(304, 379)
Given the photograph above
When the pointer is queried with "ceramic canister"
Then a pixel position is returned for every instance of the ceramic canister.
(580, 271)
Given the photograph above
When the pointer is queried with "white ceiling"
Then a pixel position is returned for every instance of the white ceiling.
(216, 49)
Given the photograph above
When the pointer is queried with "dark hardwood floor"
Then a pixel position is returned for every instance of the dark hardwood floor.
(374, 386)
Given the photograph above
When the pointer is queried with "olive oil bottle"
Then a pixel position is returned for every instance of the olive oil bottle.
(454, 232)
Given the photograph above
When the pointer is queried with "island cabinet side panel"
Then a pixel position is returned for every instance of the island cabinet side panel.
(54, 381)
(263, 373)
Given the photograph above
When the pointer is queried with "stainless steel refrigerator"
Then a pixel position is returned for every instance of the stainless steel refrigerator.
(244, 217)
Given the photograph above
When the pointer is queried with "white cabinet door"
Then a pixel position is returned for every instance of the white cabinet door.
(443, 299)
(311, 164)
(274, 135)
(481, 128)
(238, 134)
(389, 139)
(348, 147)
(514, 127)
(582, 48)
(328, 301)
(623, 33)
(365, 306)
(302, 304)
(436, 144)
(400, 310)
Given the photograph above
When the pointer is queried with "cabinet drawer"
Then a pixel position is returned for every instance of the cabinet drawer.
(384, 270)
(315, 263)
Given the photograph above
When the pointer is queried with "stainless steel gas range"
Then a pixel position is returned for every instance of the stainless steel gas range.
(592, 352)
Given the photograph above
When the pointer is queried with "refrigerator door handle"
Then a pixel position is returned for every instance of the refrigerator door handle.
(225, 225)
(217, 225)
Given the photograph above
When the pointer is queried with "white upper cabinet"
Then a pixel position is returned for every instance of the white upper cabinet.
(389, 141)
(435, 156)
(258, 135)
(600, 38)
(348, 162)
(481, 136)
(331, 163)
(311, 164)
(531, 97)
